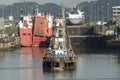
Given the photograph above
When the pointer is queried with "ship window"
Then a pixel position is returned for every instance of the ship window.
(24, 33)
(53, 53)
(60, 35)
(29, 34)
(60, 31)
(114, 8)
(118, 12)
(118, 8)
(114, 12)
(30, 21)
(21, 18)
(74, 11)
(60, 54)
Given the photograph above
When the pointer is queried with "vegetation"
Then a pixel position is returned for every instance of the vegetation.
(28, 8)
(100, 10)
(94, 10)
(11, 30)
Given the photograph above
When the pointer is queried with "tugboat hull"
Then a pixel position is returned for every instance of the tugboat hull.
(59, 63)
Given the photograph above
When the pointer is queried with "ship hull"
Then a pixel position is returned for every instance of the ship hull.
(39, 41)
(26, 37)
(35, 32)
(40, 31)
(75, 16)
(74, 21)
(84, 36)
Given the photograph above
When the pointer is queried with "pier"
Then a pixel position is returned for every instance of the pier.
(84, 36)
(94, 36)
(9, 43)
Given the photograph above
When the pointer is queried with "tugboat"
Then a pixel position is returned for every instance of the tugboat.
(75, 16)
(60, 54)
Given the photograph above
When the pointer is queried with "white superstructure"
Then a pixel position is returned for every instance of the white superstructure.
(26, 22)
(76, 16)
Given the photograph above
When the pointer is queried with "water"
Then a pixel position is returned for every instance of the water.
(93, 64)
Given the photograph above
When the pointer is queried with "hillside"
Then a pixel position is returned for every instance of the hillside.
(100, 10)
(28, 8)
(94, 10)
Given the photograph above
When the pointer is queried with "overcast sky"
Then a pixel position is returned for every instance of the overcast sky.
(66, 2)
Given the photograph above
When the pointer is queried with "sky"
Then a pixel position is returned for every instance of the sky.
(67, 3)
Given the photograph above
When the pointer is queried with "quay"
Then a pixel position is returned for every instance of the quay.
(93, 36)
(85, 36)
(9, 43)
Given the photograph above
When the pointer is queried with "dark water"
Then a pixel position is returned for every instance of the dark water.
(93, 64)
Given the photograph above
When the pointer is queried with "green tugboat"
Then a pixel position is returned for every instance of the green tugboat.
(60, 54)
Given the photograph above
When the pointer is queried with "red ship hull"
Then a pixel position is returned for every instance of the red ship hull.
(35, 32)
(26, 36)
(39, 31)
(39, 41)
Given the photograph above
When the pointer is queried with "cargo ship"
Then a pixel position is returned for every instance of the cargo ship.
(75, 17)
(82, 34)
(36, 30)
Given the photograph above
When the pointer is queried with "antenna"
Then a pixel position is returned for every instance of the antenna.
(24, 7)
(36, 10)
(3, 17)
(63, 14)
(11, 10)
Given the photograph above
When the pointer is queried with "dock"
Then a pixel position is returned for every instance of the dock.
(9, 43)
(85, 36)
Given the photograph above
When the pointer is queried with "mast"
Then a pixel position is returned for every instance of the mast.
(65, 28)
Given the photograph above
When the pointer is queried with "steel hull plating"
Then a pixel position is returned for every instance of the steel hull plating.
(75, 21)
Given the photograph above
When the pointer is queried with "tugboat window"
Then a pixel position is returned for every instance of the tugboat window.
(60, 31)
